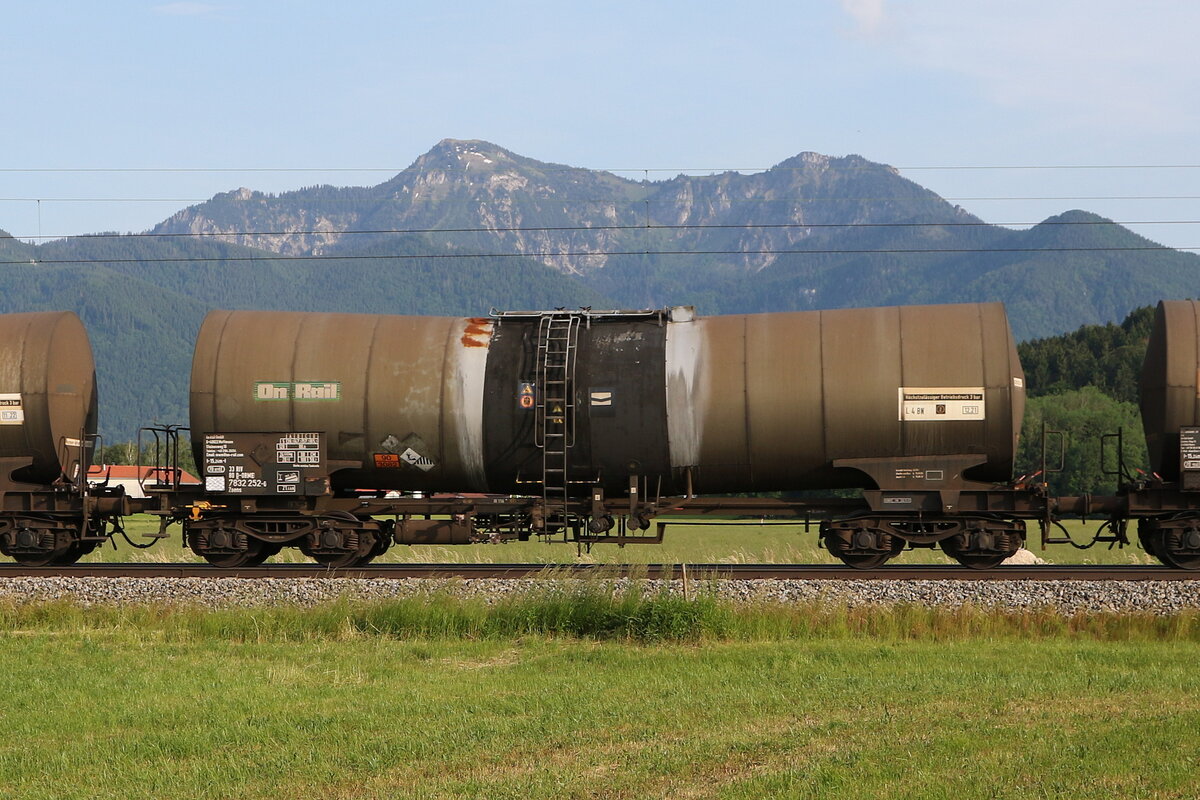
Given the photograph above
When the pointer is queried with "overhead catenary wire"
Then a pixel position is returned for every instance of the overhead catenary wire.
(577, 201)
(544, 167)
(588, 254)
(600, 228)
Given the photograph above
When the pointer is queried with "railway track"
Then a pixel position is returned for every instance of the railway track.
(728, 571)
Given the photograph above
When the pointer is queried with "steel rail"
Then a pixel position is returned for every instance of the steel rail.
(948, 572)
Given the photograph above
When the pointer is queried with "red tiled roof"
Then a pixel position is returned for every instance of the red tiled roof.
(129, 472)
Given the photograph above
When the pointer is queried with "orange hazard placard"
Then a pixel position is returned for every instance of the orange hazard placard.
(387, 461)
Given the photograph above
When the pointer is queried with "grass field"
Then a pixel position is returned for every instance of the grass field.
(688, 544)
(402, 701)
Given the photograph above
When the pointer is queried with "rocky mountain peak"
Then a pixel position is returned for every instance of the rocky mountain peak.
(580, 221)
(464, 154)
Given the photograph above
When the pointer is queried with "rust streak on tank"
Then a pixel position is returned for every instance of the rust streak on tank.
(476, 326)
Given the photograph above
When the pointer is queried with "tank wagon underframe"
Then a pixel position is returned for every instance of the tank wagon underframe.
(987, 526)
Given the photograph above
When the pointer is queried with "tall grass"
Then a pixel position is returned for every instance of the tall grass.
(590, 610)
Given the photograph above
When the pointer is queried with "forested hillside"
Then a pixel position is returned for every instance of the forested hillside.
(1085, 383)
(1107, 356)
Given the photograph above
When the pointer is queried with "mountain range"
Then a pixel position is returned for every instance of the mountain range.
(471, 226)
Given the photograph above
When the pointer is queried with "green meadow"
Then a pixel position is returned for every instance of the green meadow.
(574, 693)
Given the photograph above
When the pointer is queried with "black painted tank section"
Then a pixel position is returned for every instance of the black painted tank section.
(620, 406)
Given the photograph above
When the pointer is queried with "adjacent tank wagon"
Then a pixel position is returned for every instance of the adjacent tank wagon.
(47, 427)
(1167, 503)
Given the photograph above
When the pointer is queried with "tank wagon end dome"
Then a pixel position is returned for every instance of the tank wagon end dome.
(1170, 383)
(48, 398)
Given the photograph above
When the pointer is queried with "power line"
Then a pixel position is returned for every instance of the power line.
(543, 167)
(612, 201)
(1078, 197)
(605, 228)
(104, 199)
(1053, 166)
(587, 254)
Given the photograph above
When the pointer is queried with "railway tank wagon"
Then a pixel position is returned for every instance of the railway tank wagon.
(596, 417)
(47, 426)
(1167, 506)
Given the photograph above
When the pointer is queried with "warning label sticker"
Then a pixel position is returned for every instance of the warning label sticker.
(406, 452)
(12, 412)
(937, 404)
(526, 396)
(387, 461)
(417, 460)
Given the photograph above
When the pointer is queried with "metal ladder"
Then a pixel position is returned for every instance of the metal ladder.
(554, 433)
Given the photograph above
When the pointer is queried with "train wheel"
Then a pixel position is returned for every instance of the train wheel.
(344, 541)
(49, 552)
(222, 545)
(861, 547)
(1178, 548)
(382, 543)
(251, 556)
(266, 552)
(1149, 542)
(337, 560)
(978, 561)
(80, 547)
(48, 559)
(865, 561)
(357, 558)
(982, 548)
(75, 551)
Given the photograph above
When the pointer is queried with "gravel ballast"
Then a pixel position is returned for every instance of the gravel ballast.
(1067, 597)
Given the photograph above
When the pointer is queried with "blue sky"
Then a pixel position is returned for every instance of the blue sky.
(320, 89)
